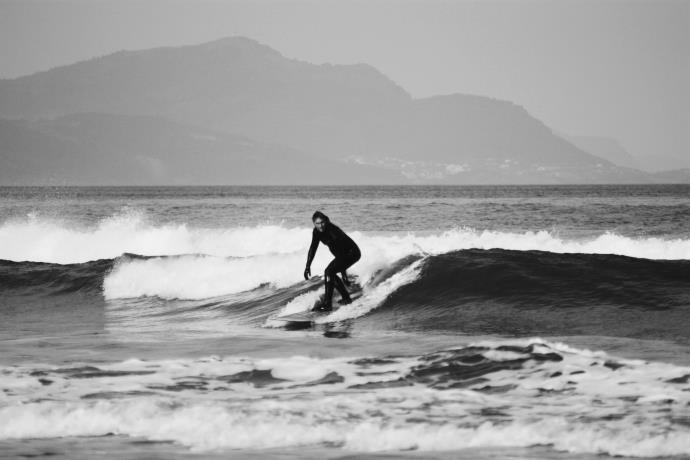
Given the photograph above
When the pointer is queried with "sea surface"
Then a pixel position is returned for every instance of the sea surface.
(506, 322)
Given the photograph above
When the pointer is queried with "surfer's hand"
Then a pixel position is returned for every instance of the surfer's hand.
(307, 273)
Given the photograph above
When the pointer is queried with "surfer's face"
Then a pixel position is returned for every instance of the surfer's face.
(320, 224)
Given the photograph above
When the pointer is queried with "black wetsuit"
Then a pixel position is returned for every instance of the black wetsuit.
(346, 253)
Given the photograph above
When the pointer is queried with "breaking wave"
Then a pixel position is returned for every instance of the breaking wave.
(492, 393)
(44, 240)
(458, 280)
(473, 291)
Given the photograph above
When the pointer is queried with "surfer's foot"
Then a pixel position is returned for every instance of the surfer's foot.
(345, 301)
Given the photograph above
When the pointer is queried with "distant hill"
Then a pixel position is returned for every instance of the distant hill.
(338, 113)
(663, 168)
(100, 149)
(675, 176)
(604, 147)
(662, 163)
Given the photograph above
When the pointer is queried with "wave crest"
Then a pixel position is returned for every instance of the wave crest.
(44, 240)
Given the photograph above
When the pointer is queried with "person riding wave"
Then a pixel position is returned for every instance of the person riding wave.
(346, 253)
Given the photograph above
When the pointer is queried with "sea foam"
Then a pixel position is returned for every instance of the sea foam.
(217, 261)
(531, 392)
(46, 240)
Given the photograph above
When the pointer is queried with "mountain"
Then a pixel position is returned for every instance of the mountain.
(350, 113)
(604, 147)
(675, 176)
(106, 149)
(664, 169)
(662, 163)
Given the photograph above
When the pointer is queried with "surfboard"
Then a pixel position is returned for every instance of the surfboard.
(309, 316)
(302, 317)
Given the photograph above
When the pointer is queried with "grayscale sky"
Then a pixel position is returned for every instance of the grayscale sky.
(610, 68)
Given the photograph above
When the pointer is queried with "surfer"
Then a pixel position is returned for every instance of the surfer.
(346, 253)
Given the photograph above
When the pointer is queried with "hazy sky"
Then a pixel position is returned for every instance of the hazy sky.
(610, 68)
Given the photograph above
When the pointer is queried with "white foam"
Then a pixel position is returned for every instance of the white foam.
(49, 240)
(206, 426)
(242, 258)
(300, 303)
(593, 415)
(198, 277)
(194, 277)
(372, 296)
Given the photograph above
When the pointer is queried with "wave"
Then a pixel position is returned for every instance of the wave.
(533, 292)
(202, 276)
(198, 276)
(47, 240)
(469, 291)
(38, 278)
(374, 291)
(50, 240)
(486, 394)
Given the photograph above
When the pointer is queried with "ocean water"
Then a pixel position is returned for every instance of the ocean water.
(496, 323)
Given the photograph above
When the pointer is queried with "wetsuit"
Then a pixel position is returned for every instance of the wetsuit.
(346, 253)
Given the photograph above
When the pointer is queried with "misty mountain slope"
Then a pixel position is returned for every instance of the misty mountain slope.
(661, 163)
(604, 147)
(217, 84)
(29, 156)
(475, 129)
(675, 176)
(92, 148)
(336, 112)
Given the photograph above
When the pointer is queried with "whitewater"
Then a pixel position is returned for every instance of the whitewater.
(212, 262)
(495, 322)
(213, 402)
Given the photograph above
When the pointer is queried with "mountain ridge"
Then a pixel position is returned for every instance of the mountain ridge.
(107, 149)
(239, 86)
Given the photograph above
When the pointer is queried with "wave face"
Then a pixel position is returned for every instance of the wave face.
(473, 291)
(533, 292)
(485, 394)
(36, 278)
(460, 280)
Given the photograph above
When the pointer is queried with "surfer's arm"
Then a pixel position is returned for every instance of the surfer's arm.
(312, 249)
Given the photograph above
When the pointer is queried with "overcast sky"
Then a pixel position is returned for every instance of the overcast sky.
(611, 68)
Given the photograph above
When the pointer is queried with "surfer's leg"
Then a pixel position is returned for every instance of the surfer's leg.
(330, 276)
(332, 279)
(327, 303)
(340, 265)
(340, 286)
(343, 275)
(328, 298)
(348, 262)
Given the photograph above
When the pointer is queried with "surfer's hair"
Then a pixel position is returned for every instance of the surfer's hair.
(322, 216)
